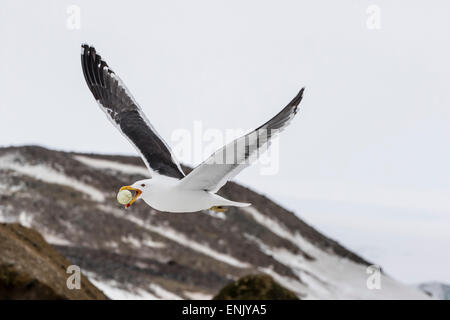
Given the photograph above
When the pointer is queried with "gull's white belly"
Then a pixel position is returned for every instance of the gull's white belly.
(166, 194)
(174, 199)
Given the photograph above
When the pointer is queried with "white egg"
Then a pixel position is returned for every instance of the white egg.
(124, 196)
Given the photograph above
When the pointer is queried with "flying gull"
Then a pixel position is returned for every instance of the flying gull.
(169, 189)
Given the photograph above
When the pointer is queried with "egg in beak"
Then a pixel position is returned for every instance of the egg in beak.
(136, 195)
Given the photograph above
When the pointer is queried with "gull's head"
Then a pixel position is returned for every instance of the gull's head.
(138, 189)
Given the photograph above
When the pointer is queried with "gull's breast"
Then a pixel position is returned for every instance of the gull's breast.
(170, 198)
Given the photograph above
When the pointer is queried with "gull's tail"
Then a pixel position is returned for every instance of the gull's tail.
(225, 202)
(238, 204)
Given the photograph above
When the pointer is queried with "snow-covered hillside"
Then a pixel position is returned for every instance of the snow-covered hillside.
(436, 290)
(144, 254)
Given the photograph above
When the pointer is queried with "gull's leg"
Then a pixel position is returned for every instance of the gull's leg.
(218, 209)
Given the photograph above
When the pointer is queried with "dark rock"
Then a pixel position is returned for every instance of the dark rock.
(255, 287)
(30, 268)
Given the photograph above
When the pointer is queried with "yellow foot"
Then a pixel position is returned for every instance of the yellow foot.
(218, 209)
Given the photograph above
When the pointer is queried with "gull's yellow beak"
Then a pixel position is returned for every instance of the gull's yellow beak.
(137, 193)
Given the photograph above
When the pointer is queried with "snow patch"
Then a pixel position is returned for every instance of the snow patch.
(197, 295)
(163, 293)
(329, 276)
(272, 225)
(53, 239)
(135, 242)
(111, 244)
(148, 242)
(287, 282)
(25, 219)
(5, 216)
(179, 238)
(214, 214)
(436, 290)
(49, 175)
(113, 290)
(112, 165)
(10, 189)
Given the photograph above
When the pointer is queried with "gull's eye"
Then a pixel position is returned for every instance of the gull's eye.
(142, 185)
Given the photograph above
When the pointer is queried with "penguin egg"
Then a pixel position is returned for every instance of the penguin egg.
(124, 196)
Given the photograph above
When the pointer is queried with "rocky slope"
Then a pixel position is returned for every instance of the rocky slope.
(31, 269)
(436, 290)
(142, 253)
(255, 287)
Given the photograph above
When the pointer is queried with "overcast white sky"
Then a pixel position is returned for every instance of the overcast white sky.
(367, 158)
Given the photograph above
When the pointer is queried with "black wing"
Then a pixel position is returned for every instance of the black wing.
(124, 112)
